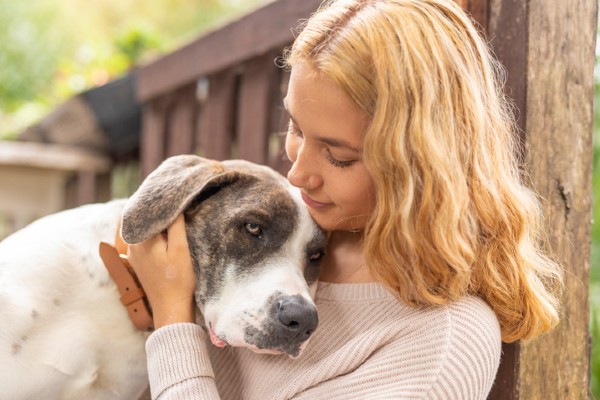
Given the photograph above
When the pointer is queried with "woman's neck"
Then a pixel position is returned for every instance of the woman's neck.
(345, 261)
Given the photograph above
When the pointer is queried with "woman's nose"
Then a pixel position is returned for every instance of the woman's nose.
(300, 173)
(295, 175)
(304, 174)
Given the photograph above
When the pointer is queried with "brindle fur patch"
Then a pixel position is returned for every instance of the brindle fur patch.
(217, 226)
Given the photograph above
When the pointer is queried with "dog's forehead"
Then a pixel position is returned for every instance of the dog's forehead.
(247, 167)
(266, 177)
(266, 185)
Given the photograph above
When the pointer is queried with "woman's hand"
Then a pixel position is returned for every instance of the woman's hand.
(164, 267)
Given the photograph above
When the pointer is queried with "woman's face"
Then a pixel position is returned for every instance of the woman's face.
(324, 143)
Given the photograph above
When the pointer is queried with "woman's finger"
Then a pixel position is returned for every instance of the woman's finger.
(176, 236)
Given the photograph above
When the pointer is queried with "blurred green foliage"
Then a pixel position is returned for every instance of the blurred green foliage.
(30, 49)
(53, 49)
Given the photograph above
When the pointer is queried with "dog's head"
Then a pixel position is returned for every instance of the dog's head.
(255, 249)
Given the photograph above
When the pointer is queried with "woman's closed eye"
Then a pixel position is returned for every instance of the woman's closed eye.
(337, 163)
(331, 159)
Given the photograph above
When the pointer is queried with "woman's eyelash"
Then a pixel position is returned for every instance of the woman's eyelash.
(338, 163)
(296, 132)
(292, 130)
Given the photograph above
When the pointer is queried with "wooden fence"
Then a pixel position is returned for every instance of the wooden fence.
(221, 97)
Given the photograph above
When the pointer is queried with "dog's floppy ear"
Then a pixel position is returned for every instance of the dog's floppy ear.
(166, 192)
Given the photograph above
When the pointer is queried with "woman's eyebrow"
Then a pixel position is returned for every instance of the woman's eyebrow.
(339, 143)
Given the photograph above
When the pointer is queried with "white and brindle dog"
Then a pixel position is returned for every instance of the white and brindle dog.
(256, 254)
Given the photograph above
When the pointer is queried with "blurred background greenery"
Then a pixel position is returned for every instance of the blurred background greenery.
(53, 49)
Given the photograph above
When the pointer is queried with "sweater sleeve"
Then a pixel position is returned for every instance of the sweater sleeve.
(472, 357)
(455, 357)
(178, 364)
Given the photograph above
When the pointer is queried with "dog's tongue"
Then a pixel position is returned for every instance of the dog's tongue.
(215, 339)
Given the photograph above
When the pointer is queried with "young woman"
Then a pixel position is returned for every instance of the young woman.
(403, 146)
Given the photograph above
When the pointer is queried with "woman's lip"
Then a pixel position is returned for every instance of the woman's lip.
(313, 203)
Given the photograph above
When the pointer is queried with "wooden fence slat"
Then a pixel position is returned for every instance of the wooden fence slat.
(508, 31)
(218, 116)
(91, 187)
(278, 160)
(254, 108)
(506, 386)
(182, 123)
(152, 140)
(252, 35)
(478, 10)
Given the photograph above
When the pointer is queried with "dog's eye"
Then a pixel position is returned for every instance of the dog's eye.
(253, 229)
(314, 257)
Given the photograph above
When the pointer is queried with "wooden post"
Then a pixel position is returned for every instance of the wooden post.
(548, 51)
(153, 138)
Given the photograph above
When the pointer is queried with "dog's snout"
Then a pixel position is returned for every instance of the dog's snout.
(297, 316)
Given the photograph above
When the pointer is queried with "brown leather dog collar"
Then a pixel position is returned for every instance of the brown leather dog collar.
(131, 291)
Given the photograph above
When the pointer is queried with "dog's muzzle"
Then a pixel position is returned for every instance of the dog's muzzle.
(297, 318)
(290, 323)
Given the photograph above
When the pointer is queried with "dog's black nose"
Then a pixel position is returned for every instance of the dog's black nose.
(298, 318)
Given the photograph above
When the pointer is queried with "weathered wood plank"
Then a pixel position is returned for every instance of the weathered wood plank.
(506, 385)
(548, 52)
(181, 132)
(252, 35)
(558, 137)
(507, 28)
(218, 117)
(153, 138)
(254, 108)
(478, 10)
(278, 160)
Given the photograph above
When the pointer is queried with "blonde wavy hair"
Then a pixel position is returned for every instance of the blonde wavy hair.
(452, 216)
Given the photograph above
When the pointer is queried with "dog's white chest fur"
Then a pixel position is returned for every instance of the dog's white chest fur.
(70, 303)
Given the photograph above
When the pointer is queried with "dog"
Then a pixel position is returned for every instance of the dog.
(256, 254)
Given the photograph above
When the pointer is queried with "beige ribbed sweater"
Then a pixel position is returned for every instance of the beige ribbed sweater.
(367, 346)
